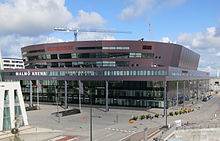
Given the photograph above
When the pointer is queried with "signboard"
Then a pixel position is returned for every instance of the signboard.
(31, 73)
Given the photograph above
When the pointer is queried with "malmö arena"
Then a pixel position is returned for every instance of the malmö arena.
(115, 72)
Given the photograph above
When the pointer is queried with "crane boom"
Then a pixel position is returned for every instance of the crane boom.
(77, 30)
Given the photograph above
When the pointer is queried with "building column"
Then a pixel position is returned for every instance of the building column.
(165, 102)
(31, 95)
(80, 92)
(38, 91)
(197, 97)
(65, 102)
(177, 93)
(184, 92)
(106, 98)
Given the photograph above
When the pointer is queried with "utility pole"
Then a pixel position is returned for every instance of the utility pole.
(90, 114)
(165, 102)
(31, 94)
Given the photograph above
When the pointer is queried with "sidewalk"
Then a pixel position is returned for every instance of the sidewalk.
(31, 133)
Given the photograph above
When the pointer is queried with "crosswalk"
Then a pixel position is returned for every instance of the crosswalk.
(120, 130)
(64, 138)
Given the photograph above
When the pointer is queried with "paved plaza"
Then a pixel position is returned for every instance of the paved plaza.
(109, 126)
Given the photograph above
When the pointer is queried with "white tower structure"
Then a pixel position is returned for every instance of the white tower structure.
(11, 106)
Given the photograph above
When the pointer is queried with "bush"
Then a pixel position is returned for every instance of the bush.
(176, 112)
(14, 130)
(185, 111)
(134, 118)
(171, 113)
(157, 115)
(148, 116)
(142, 117)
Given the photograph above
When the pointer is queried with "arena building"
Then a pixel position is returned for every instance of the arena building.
(115, 73)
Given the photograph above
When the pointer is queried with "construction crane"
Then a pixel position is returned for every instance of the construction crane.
(77, 30)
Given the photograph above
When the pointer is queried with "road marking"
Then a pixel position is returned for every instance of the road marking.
(120, 130)
(109, 135)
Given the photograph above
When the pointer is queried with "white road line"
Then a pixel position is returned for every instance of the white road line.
(109, 135)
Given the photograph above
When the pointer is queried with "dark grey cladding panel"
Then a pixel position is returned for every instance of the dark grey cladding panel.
(188, 59)
(166, 54)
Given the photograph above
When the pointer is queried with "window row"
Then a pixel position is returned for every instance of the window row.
(103, 48)
(91, 55)
(94, 73)
(84, 64)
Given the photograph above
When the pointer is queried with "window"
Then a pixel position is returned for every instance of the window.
(7, 61)
(54, 64)
(53, 56)
(147, 47)
(148, 55)
(65, 56)
(35, 51)
(88, 48)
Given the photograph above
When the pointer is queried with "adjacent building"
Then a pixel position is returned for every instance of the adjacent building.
(12, 63)
(119, 73)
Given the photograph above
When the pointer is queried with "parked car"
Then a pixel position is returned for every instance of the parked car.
(209, 97)
(205, 99)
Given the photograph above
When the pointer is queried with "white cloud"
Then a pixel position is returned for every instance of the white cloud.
(207, 44)
(11, 44)
(32, 17)
(136, 9)
(201, 40)
(95, 36)
(167, 40)
(88, 20)
(139, 7)
(28, 22)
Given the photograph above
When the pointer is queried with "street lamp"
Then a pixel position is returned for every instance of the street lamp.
(56, 95)
(90, 94)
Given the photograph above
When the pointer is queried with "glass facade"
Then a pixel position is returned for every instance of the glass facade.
(6, 113)
(91, 55)
(121, 93)
(103, 48)
(77, 64)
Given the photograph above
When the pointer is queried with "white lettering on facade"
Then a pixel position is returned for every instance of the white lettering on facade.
(30, 73)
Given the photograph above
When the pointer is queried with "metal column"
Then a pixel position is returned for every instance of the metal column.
(80, 92)
(184, 92)
(197, 97)
(106, 98)
(90, 94)
(165, 102)
(65, 102)
(177, 93)
(31, 95)
(38, 91)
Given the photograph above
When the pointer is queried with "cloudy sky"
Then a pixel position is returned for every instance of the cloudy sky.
(192, 23)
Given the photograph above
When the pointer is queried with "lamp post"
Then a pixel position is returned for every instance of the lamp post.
(90, 94)
(165, 102)
(56, 95)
